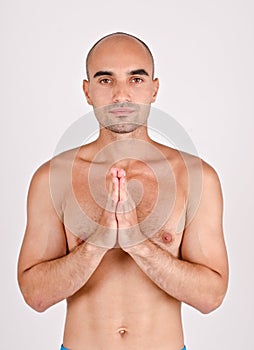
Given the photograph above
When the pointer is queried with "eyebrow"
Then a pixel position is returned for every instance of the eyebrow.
(102, 72)
(139, 72)
(132, 72)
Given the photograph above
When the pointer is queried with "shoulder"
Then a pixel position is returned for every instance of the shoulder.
(204, 188)
(194, 166)
(52, 170)
(41, 176)
(200, 174)
(211, 186)
(197, 177)
(64, 159)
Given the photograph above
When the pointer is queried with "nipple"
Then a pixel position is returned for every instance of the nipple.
(167, 237)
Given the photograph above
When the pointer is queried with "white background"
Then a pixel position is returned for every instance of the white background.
(204, 59)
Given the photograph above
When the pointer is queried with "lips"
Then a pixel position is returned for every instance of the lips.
(122, 110)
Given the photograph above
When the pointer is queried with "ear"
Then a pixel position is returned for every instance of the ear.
(86, 84)
(155, 89)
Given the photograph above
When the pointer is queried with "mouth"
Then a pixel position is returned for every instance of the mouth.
(121, 111)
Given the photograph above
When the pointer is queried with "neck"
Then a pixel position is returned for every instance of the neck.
(122, 148)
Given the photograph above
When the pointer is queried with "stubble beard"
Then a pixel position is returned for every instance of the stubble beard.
(122, 128)
(126, 123)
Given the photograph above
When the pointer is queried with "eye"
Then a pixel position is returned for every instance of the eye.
(105, 81)
(137, 80)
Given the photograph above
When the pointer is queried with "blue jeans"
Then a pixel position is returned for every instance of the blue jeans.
(63, 348)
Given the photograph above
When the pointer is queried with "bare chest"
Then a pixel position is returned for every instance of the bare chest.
(159, 200)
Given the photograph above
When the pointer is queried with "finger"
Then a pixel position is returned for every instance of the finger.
(121, 173)
(113, 171)
(123, 193)
(115, 189)
(113, 184)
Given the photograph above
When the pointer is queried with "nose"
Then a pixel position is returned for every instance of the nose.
(121, 93)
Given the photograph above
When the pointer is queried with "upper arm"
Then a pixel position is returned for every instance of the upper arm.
(203, 241)
(44, 238)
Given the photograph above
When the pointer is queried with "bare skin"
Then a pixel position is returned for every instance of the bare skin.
(124, 277)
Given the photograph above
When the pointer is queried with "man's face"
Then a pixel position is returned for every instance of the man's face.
(120, 87)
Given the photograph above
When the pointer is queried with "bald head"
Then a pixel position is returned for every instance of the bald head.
(118, 39)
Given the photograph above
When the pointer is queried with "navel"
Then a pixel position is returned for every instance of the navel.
(122, 331)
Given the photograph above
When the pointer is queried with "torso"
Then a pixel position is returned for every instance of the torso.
(120, 307)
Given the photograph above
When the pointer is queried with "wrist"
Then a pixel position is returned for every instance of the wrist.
(144, 248)
(89, 247)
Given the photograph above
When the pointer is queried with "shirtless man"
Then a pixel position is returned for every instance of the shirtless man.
(130, 236)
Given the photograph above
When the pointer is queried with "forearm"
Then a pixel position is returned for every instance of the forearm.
(47, 283)
(191, 283)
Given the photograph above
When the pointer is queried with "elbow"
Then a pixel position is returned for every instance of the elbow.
(213, 297)
(33, 298)
(37, 305)
(34, 301)
(210, 304)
